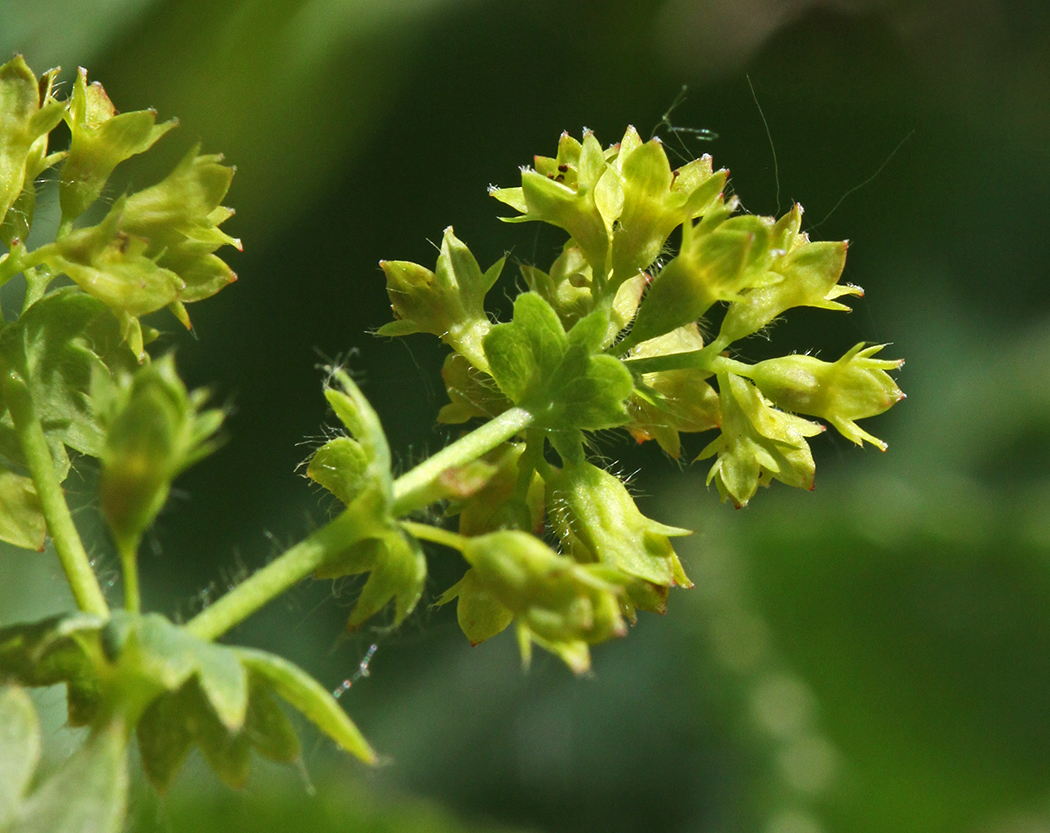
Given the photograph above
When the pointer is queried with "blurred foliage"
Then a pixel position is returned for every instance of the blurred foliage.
(871, 657)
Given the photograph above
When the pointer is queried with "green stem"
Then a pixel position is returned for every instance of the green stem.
(279, 575)
(412, 489)
(70, 548)
(435, 534)
(130, 569)
(410, 493)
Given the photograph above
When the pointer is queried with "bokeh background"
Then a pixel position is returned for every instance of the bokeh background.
(874, 656)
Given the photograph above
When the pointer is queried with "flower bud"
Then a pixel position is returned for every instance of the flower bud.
(562, 191)
(672, 401)
(155, 430)
(719, 259)
(558, 604)
(30, 113)
(855, 387)
(595, 507)
(99, 141)
(448, 303)
(496, 505)
(656, 200)
(471, 392)
(757, 444)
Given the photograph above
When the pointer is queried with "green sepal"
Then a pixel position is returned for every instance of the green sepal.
(479, 613)
(28, 113)
(181, 690)
(855, 387)
(397, 568)
(341, 467)
(555, 376)
(757, 444)
(58, 346)
(99, 141)
(175, 722)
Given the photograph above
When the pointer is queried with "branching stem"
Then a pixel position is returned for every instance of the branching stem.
(410, 492)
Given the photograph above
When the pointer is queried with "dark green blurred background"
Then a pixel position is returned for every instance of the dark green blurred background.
(874, 656)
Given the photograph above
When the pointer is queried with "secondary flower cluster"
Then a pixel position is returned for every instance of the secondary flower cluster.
(153, 249)
(608, 337)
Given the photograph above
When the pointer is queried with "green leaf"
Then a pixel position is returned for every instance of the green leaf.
(554, 376)
(19, 749)
(269, 728)
(161, 656)
(311, 699)
(88, 793)
(178, 720)
(21, 519)
(55, 650)
(56, 346)
(166, 735)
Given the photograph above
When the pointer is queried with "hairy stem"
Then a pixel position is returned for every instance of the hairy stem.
(412, 488)
(287, 570)
(70, 548)
(411, 491)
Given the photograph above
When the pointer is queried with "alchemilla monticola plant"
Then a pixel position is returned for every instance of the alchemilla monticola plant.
(606, 337)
